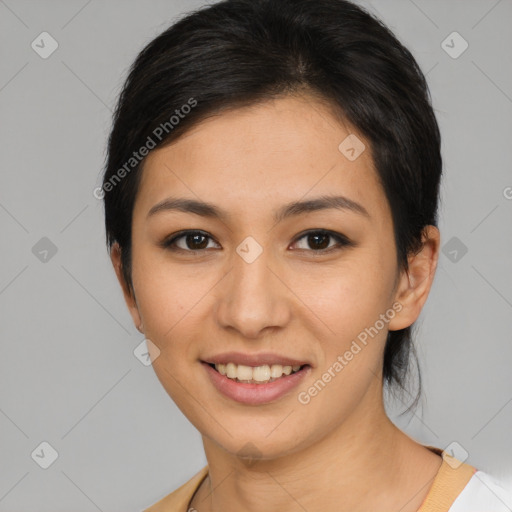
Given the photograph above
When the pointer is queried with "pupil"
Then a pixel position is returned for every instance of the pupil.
(193, 243)
(324, 245)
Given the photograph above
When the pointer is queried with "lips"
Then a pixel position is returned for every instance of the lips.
(257, 385)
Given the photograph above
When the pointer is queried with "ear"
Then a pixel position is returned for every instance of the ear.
(414, 285)
(129, 297)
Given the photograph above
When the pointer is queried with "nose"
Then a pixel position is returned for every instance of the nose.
(254, 297)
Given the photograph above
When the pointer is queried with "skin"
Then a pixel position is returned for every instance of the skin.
(340, 451)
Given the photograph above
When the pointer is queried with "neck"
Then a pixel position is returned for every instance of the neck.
(365, 463)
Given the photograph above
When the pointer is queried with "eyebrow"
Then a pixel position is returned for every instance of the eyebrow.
(294, 208)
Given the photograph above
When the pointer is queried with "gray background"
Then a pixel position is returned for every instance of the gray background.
(68, 375)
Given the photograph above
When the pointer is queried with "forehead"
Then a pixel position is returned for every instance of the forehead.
(266, 154)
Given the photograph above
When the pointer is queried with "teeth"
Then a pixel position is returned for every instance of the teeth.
(260, 373)
(231, 371)
(244, 372)
(276, 371)
(255, 374)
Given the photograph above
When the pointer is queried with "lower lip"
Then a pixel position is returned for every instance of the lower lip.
(255, 394)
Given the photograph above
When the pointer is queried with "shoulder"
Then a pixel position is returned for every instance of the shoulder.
(178, 500)
(460, 487)
(484, 492)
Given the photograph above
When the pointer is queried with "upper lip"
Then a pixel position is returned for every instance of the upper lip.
(254, 359)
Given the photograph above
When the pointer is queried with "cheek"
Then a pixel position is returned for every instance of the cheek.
(347, 297)
(348, 304)
(164, 296)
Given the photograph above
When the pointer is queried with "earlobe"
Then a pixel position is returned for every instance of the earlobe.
(415, 283)
(115, 256)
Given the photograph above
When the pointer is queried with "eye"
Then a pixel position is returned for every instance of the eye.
(319, 240)
(193, 241)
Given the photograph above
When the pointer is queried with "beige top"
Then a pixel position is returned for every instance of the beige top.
(447, 485)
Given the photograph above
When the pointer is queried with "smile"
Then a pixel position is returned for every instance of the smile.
(257, 374)
(255, 379)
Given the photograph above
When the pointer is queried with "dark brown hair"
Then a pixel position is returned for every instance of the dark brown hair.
(240, 52)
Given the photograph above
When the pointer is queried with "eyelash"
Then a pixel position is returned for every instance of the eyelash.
(343, 241)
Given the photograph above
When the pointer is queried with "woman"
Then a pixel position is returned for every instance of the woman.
(271, 196)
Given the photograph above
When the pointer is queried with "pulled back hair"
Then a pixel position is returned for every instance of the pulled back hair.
(237, 53)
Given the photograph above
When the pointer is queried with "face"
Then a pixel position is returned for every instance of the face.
(255, 286)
